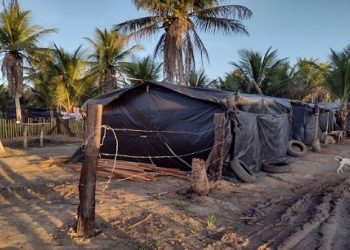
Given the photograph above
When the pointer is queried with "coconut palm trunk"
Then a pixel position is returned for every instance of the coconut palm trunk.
(13, 67)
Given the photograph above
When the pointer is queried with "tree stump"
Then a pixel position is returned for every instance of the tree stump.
(200, 184)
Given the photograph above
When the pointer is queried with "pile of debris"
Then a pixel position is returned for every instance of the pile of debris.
(120, 169)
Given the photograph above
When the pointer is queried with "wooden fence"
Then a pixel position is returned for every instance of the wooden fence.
(9, 129)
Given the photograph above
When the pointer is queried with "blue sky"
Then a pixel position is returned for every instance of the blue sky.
(297, 28)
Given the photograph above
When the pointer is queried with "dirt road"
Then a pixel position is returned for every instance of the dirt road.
(308, 208)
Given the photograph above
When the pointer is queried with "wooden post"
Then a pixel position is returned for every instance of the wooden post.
(2, 149)
(25, 137)
(87, 183)
(217, 154)
(200, 184)
(316, 145)
(42, 137)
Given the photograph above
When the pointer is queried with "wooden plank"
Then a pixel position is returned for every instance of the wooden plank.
(87, 183)
(217, 153)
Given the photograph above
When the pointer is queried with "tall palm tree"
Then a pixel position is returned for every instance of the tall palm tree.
(180, 21)
(143, 69)
(338, 79)
(257, 69)
(18, 40)
(109, 50)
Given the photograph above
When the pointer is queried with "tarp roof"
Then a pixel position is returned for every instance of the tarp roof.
(224, 98)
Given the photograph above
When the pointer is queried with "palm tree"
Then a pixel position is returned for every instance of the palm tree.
(143, 69)
(109, 50)
(18, 40)
(233, 81)
(338, 79)
(256, 69)
(312, 76)
(180, 21)
(200, 79)
(70, 78)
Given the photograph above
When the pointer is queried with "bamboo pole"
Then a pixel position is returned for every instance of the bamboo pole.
(87, 183)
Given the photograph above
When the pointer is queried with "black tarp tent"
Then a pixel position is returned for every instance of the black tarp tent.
(304, 120)
(149, 115)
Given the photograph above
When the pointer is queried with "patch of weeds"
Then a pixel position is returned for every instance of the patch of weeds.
(192, 227)
(180, 236)
(211, 221)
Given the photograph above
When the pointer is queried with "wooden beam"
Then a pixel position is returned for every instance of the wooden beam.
(216, 156)
(87, 183)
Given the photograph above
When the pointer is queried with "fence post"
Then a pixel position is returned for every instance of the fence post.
(25, 137)
(42, 137)
(87, 183)
(216, 159)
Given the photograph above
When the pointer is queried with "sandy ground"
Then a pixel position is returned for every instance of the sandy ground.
(308, 208)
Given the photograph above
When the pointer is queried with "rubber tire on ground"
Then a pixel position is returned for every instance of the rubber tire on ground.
(242, 171)
(291, 151)
(276, 167)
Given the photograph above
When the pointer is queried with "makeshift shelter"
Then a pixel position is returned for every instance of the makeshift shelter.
(304, 120)
(152, 121)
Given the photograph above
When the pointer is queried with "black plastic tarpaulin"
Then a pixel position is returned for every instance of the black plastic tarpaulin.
(304, 120)
(151, 116)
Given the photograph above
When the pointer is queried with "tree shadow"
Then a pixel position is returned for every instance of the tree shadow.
(33, 214)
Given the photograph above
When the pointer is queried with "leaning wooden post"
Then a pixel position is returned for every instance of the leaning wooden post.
(87, 183)
(217, 153)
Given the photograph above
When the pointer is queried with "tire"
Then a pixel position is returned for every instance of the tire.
(295, 152)
(276, 167)
(242, 171)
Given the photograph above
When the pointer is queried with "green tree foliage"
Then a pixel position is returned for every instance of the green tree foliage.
(143, 69)
(64, 80)
(18, 41)
(338, 79)
(179, 21)
(109, 49)
(200, 79)
(256, 70)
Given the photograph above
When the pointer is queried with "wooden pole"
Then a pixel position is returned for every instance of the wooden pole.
(87, 183)
(25, 137)
(217, 153)
(42, 137)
